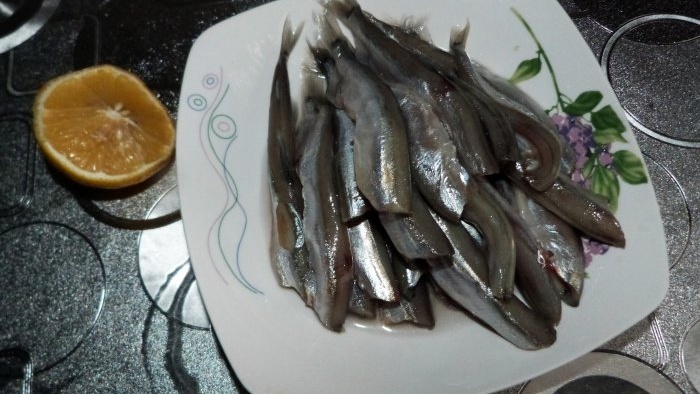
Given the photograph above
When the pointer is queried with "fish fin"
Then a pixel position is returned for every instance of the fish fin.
(416, 27)
(458, 37)
(290, 36)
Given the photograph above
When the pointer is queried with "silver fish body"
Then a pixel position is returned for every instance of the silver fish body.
(352, 204)
(324, 232)
(380, 149)
(564, 257)
(288, 250)
(361, 303)
(416, 309)
(464, 278)
(416, 236)
(372, 261)
(398, 66)
(490, 220)
(578, 207)
(435, 169)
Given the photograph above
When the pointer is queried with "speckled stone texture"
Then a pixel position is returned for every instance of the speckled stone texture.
(75, 316)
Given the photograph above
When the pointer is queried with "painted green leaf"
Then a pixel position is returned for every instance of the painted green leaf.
(604, 183)
(606, 118)
(629, 167)
(589, 166)
(584, 103)
(526, 70)
(607, 136)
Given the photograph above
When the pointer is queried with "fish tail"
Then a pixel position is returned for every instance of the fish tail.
(329, 30)
(342, 8)
(458, 37)
(290, 36)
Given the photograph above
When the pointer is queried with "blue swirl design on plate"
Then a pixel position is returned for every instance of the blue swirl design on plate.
(218, 133)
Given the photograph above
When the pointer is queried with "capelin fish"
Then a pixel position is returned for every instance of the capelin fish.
(577, 206)
(416, 236)
(352, 204)
(490, 220)
(288, 250)
(542, 161)
(324, 232)
(397, 66)
(464, 278)
(435, 169)
(416, 309)
(500, 133)
(380, 149)
(564, 259)
(372, 261)
(532, 268)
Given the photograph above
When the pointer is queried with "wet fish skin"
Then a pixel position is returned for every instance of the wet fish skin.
(288, 250)
(416, 236)
(576, 206)
(500, 133)
(361, 304)
(542, 149)
(324, 233)
(397, 66)
(498, 238)
(380, 147)
(464, 278)
(416, 309)
(435, 169)
(352, 204)
(532, 274)
(408, 274)
(372, 261)
(565, 259)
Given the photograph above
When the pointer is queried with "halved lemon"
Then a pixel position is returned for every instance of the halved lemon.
(103, 127)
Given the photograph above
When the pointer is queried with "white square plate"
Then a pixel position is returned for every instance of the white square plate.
(274, 343)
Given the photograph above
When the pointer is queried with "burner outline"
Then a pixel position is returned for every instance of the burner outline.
(103, 289)
(30, 166)
(605, 62)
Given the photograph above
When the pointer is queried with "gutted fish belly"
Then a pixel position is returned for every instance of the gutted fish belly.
(324, 233)
(464, 278)
(564, 259)
(380, 149)
(289, 254)
(416, 309)
(352, 204)
(416, 236)
(372, 262)
(398, 66)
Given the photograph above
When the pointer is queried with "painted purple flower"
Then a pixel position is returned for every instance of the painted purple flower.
(575, 131)
(591, 248)
(579, 135)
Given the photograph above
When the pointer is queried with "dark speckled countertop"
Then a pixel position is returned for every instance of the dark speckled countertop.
(96, 293)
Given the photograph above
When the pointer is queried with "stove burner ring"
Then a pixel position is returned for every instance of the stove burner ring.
(21, 19)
